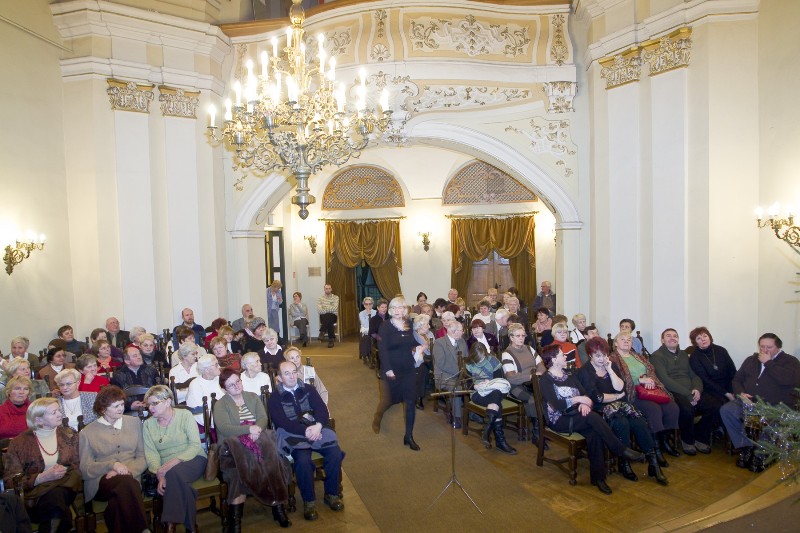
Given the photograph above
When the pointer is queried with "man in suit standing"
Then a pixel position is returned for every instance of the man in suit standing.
(118, 338)
(446, 352)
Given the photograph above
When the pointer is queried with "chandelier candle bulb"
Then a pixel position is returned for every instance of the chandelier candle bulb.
(237, 89)
(385, 100)
(212, 115)
(228, 112)
(332, 69)
(759, 213)
(288, 37)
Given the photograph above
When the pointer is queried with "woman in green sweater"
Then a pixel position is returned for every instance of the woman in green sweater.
(257, 468)
(112, 462)
(173, 452)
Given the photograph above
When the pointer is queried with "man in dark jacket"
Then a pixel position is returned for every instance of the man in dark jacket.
(302, 419)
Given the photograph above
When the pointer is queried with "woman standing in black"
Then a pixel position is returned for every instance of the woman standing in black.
(399, 352)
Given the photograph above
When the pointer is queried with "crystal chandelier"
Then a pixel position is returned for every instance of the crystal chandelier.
(294, 115)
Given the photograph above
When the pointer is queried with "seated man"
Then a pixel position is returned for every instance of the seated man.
(452, 296)
(244, 322)
(134, 372)
(446, 352)
(66, 334)
(499, 327)
(188, 321)
(491, 296)
(673, 369)
(328, 308)
(772, 375)
(118, 338)
(300, 416)
(589, 333)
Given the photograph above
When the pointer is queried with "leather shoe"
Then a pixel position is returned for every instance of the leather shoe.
(330, 344)
(602, 486)
(279, 515)
(757, 465)
(409, 441)
(310, 511)
(457, 423)
(689, 449)
(334, 502)
(702, 448)
(633, 455)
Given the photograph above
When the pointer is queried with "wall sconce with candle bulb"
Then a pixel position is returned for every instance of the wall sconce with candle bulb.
(21, 250)
(784, 228)
(312, 242)
(426, 240)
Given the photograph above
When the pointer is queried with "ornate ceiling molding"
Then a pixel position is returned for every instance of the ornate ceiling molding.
(468, 36)
(560, 94)
(552, 138)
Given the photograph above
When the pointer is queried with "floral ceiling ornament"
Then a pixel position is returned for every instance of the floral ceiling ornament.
(558, 49)
(469, 36)
(466, 96)
(550, 137)
(560, 94)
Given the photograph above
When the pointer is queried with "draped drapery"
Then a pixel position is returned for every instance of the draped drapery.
(473, 239)
(377, 243)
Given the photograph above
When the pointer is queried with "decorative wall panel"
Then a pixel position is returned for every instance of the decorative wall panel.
(481, 183)
(362, 187)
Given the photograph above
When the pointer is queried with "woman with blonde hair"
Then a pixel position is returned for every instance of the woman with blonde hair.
(15, 407)
(21, 367)
(46, 454)
(305, 372)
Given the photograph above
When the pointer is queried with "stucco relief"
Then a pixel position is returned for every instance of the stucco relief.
(469, 36)
(466, 96)
(560, 94)
(559, 52)
(551, 138)
(176, 102)
(668, 54)
(622, 70)
(130, 96)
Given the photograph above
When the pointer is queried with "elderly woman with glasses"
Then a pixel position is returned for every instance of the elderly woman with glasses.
(253, 466)
(206, 384)
(89, 380)
(174, 454)
(74, 403)
(112, 462)
(46, 454)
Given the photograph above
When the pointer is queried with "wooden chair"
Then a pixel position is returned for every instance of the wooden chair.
(572, 443)
(175, 387)
(644, 349)
(610, 340)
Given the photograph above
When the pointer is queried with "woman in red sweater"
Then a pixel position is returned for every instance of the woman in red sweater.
(14, 409)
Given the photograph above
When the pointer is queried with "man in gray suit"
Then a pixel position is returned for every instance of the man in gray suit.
(244, 321)
(446, 352)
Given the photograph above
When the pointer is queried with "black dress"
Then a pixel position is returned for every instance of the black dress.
(396, 350)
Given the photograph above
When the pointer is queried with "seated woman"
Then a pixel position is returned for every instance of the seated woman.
(578, 335)
(712, 364)
(186, 370)
(15, 407)
(253, 342)
(462, 314)
(491, 388)
(226, 332)
(174, 454)
(364, 340)
(219, 347)
(150, 354)
(422, 299)
(105, 362)
(637, 370)
(21, 367)
(560, 334)
(485, 313)
(206, 384)
(72, 401)
(424, 337)
(479, 334)
(543, 321)
(46, 454)
(99, 334)
(306, 373)
(253, 378)
(55, 364)
(298, 316)
(569, 410)
(90, 381)
(213, 331)
(256, 468)
(601, 381)
(518, 361)
(272, 354)
(112, 462)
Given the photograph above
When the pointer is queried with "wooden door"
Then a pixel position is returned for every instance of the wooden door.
(494, 271)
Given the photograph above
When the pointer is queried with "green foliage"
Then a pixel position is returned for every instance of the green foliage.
(780, 440)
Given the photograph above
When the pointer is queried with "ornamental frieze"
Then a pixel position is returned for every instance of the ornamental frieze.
(622, 69)
(129, 95)
(176, 102)
(560, 94)
(466, 96)
(469, 36)
(550, 137)
(668, 53)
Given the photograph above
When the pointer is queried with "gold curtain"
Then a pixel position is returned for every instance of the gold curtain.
(473, 239)
(346, 245)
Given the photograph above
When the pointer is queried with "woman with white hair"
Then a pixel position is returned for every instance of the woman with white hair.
(423, 336)
(206, 384)
(46, 454)
(73, 402)
(578, 335)
(187, 369)
(136, 334)
(365, 341)
(19, 348)
(252, 377)
(448, 317)
(272, 354)
(399, 352)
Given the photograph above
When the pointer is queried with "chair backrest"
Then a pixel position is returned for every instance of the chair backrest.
(312, 379)
(175, 387)
(265, 400)
(644, 350)
(610, 343)
(208, 418)
(538, 400)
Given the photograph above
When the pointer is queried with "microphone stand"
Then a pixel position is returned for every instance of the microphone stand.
(451, 395)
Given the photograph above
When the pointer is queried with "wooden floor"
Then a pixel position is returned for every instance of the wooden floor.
(694, 482)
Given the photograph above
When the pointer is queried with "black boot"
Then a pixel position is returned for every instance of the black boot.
(757, 465)
(654, 468)
(235, 518)
(625, 469)
(491, 414)
(663, 438)
(279, 515)
(660, 456)
(420, 405)
(500, 437)
(745, 457)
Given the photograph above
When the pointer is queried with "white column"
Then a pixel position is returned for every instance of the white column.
(135, 219)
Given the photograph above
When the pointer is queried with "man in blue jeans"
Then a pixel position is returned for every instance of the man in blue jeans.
(301, 418)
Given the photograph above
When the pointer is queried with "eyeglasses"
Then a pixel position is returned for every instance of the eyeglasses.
(67, 384)
(233, 383)
(153, 403)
